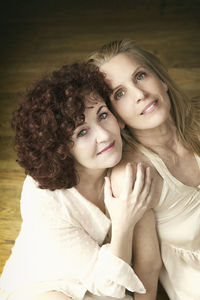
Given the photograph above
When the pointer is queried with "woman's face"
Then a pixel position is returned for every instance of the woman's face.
(97, 141)
(139, 97)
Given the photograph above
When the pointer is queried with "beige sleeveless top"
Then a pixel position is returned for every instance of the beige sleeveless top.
(178, 224)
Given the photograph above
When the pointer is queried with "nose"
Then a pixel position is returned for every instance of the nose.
(139, 94)
(102, 134)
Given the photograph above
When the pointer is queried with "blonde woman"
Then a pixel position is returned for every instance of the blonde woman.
(162, 129)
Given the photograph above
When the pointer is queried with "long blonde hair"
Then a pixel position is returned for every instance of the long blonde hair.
(184, 111)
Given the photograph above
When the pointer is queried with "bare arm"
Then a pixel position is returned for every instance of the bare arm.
(127, 209)
(147, 262)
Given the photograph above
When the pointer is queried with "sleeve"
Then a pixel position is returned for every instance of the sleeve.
(96, 267)
(63, 249)
(111, 276)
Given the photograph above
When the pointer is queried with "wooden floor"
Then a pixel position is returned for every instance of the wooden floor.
(39, 37)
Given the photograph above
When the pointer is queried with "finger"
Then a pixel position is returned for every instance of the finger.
(149, 198)
(107, 189)
(147, 183)
(128, 181)
(139, 182)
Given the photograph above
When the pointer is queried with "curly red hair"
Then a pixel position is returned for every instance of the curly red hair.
(45, 121)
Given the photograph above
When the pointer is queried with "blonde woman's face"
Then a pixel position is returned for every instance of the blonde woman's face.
(139, 97)
(97, 141)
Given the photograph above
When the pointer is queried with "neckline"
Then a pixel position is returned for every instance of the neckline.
(149, 153)
(75, 191)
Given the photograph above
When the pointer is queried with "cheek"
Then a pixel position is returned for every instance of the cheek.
(118, 108)
(114, 124)
(166, 99)
(76, 151)
(125, 112)
(80, 156)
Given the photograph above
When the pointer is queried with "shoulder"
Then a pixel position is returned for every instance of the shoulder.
(37, 203)
(117, 176)
(32, 192)
(118, 172)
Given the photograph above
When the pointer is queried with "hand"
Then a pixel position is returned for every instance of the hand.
(127, 209)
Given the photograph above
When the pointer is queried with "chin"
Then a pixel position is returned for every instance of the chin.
(158, 121)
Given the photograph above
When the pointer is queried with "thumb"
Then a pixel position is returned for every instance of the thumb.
(107, 189)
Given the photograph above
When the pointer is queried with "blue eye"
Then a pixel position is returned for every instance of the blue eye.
(140, 76)
(82, 133)
(119, 94)
(103, 116)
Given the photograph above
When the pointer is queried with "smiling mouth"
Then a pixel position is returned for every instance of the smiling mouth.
(150, 108)
(107, 149)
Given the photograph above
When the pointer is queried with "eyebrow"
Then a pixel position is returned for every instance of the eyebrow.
(99, 109)
(132, 75)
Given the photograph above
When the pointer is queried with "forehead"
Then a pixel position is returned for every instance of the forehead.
(120, 66)
(93, 99)
(92, 103)
(120, 60)
(92, 107)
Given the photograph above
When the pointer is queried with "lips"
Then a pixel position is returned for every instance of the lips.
(150, 107)
(106, 149)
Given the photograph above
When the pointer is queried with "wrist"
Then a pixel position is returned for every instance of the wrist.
(122, 230)
(121, 244)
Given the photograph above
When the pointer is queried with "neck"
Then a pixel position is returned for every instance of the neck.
(90, 178)
(162, 137)
(91, 185)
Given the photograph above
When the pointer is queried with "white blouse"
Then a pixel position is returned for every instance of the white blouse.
(60, 248)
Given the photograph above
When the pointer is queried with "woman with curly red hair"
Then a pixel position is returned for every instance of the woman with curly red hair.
(66, 139)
